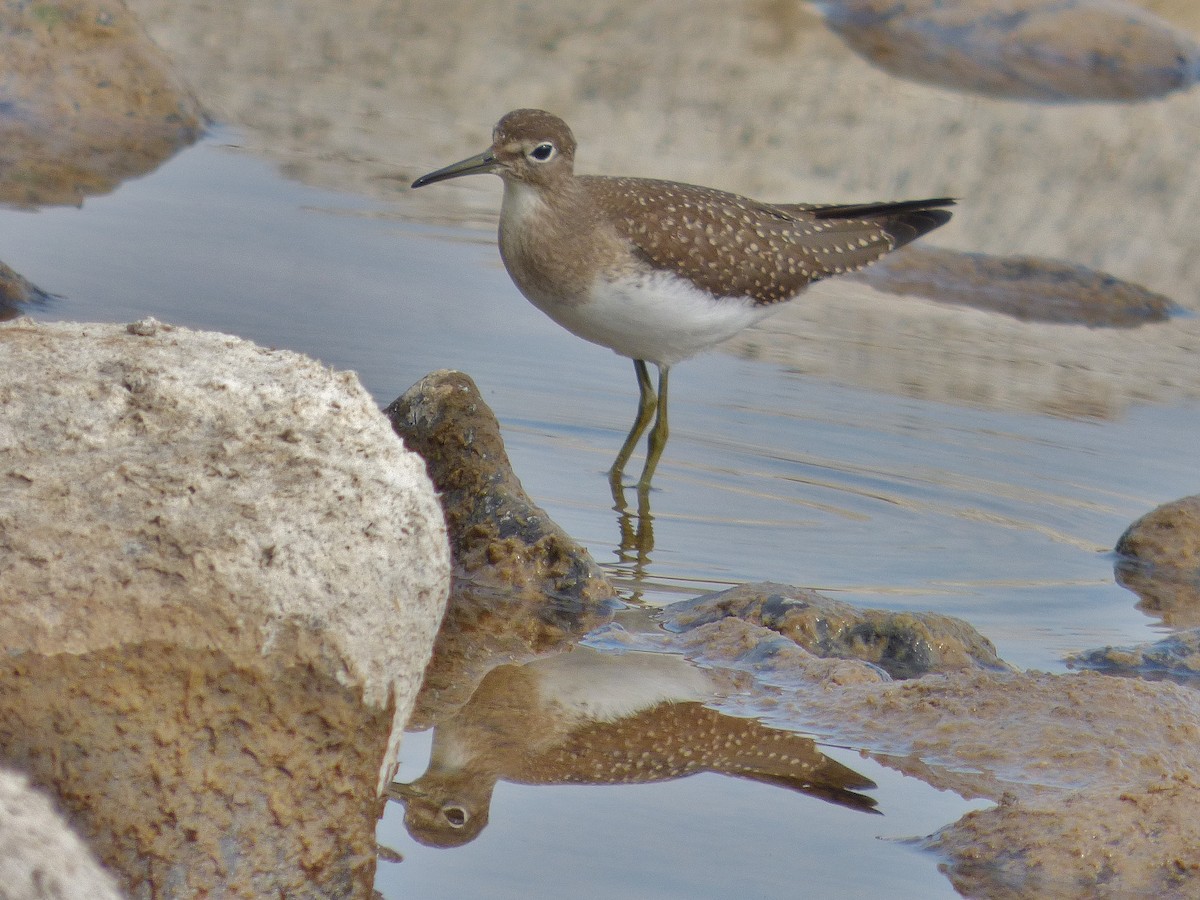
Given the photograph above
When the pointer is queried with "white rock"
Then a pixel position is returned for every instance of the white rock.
(40, 856)
(193, 487)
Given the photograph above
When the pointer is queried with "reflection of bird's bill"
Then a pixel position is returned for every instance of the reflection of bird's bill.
(401, 791)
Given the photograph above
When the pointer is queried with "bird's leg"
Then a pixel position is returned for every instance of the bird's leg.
(646, 406)
(658, 434)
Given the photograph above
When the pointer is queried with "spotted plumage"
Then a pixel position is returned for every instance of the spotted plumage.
(732, 247)
(657, 270)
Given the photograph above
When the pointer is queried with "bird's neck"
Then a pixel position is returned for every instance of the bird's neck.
(535, 207)
(549, 235)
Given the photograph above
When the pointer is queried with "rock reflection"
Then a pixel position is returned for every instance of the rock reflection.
(591, 717)
(190, 773)
(89, 102)
(487, 626)
(1023, 49)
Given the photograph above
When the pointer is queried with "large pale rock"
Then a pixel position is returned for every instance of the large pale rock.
(227, 573)
(40, 857)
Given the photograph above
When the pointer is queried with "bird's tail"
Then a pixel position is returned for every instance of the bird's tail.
(904, 221)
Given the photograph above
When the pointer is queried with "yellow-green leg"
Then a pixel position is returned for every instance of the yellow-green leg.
(658, 434)
(646, 406)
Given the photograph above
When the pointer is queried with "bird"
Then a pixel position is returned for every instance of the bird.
(599, 718)
(659, 271)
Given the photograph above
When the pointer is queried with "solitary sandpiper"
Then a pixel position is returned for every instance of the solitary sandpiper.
(658, 270)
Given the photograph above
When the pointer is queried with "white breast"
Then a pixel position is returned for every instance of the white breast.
(657, 317)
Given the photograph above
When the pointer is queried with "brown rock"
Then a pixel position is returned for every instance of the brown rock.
(1024, 49)
(1160, 561)
(497, 535)
(522, 585)
(88, 102)
(1138, 843)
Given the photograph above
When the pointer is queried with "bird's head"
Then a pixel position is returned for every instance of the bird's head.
(528, 145)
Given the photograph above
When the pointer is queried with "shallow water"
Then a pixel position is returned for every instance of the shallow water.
(1002, 518)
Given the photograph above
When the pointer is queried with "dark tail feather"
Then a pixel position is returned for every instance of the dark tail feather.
(904, 221)
(879, 210)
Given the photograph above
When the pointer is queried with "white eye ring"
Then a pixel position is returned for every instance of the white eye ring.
(456, 816)
(543, 152)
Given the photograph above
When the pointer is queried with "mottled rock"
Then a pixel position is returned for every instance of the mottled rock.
(523, 586)
(1093, 774)
(1177, 656)
(1070, 50)
(41, 858)
(88, 101)
(1167, 537)
(1092, 843)
(497, 535)
(227, 572)
(903, 644)
(1028, 288)
(1159, 560)
(1086, 768)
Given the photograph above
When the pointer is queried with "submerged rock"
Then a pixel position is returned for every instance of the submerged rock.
(1070, 50)
(1093, 774)
(1177, 656)
(227, 573)
(1028, 288)
(903, 644)
(1088, 844)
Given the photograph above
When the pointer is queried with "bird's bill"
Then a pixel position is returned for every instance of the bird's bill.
(478, 164)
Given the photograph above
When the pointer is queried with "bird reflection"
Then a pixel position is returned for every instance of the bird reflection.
(587, 717)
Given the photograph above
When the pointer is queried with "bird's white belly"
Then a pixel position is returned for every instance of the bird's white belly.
(656, 317)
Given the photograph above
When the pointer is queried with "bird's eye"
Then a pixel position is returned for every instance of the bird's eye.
(456, 816)
(542, 152)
